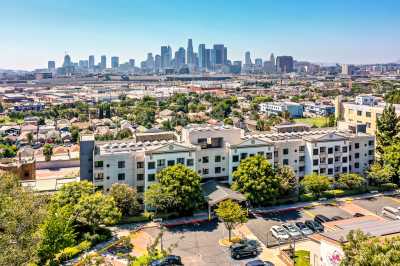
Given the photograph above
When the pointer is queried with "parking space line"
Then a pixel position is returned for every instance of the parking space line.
(310, 214)
(394, 199)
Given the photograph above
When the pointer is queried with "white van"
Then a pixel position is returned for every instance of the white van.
(391, 212)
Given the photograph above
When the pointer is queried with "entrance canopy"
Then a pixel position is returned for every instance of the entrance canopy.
(215, 192)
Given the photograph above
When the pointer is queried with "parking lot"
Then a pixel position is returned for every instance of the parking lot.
(375, 204)
(199, 244)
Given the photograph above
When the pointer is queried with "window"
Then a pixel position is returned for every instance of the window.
(337, 148)
(356, 155)
(235, 158)
(205, 159)
(98, 164)
(337, 158)
(371, 143)
(322, 160)
(202, 141)
(330, 171)
(330, 150)
(151, 177)
(161, 163)
(276, 153)
(205, 171)
(217, 158)
(268, 155)
(301, 148)
(121, 176)
(330, 160)
(151, 165)
(285, 162)
(261, 153)
(243, 156)
(371, 152)
(285, 151)
(140, 189)
(140, 177)
(357, 165)
(344, 159)
(322, 149)
(140, 165)
(322, 170)
(181, 160)
(99, 176)
(121, 164)
(315, 162)
(234, 169)
(337, 169)
(359, 113)
(217, 170)
(368, 114)
(189, 162)
(301, 168)
(315, 152)
(344, 149)
(301, 158)
(357, 145)
(344, 169)
(170, 162)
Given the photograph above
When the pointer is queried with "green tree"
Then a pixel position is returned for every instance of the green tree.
(391, 159)
(351, 181)
(125, 133)
(256, 179)
(228, 121)
(70, 193)
(315, 183)
(361, 250)
(378, 174)
(183, 184)
(21, 213)
(126, 199)
(231, 214)
(158, 199)
(289, 181)
(74, 133)
(29, 137)
(47, 151)
(387, 129)
(96, 209)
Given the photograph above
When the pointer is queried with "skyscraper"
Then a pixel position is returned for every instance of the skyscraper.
(220, 58)
(247, 59)
(150, 62)
(284, 64)
(258, 62)
(157, 63)
(202, 56)
(208, 59)
(91, 61)
(272, 59)
(114, 62)
(180, 57)
(166, 55)
(190, 54)
(103, 62)
(51, 65)
(67, 61)
(132, 62)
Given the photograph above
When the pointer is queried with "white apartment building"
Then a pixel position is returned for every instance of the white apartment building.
(215, 153)
(295, 110)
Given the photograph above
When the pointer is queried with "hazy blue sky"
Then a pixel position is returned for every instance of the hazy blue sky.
(346, 31)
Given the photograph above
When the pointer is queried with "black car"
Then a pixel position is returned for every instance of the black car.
(315, 226)
(259, 263)
(170, 260)
(321, 219)
(241, 250)
(357, 214)
(337, 218)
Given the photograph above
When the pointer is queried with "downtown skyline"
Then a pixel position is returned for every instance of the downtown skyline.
(353, 32)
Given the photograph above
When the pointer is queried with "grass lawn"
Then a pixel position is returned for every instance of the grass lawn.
(313, 121)
(302, 258)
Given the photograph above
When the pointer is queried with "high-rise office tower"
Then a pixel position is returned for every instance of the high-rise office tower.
(225, 56)
(51, 65)
(132, 62)
(272, 59)
(166, 55)
(157, 63)
(213, 58)
(103, 62)
(83, 64)
(202, 56)
(284, 64)
(190, 52)
(208, 59)
(150, 61)
(258, 62)
(219, 50)
(180, 57)
(247, 59)
(67, 61)
(91, 61)
(114, 62)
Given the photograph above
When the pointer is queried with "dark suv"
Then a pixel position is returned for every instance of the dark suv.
(244, 249)
(315, 226)
(321, 219)
(170, 260)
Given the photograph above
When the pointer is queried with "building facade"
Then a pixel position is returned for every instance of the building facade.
(295, 110)
(215, 153)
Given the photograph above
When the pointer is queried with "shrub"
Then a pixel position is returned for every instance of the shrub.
(388, 186)
(84, 245)
(67, 253)
(307, 197)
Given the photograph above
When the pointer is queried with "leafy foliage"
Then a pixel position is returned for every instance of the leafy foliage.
(315, 183)
(351, 181)
(47, 151)
(231, 214)
(126, 199)
(387, 129)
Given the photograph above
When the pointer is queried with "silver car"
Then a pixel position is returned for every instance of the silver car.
(304, 229)
(292, 230)
(279, 233)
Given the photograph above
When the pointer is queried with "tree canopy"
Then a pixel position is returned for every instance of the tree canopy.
(315, 183)
(231, 214)
(126, 199)
(387, 129)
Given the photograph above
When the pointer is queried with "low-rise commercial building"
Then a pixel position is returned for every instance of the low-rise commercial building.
(295, 110)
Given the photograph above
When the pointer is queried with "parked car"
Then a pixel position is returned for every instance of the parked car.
(337, 218)
(279, 233)
(315, 226)
(391, 212)
(304, 229)
(259, 263)
(240, 250)
(170, 260)
(357, 214)
(321, 219)
(292, 230)
(250, 242)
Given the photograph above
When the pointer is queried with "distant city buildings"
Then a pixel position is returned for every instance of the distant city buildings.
(284, 64)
